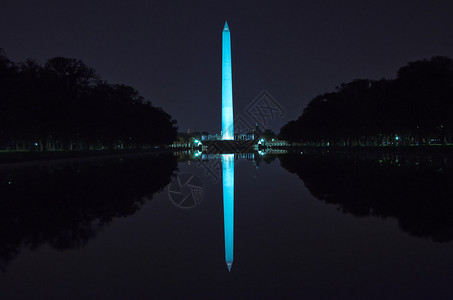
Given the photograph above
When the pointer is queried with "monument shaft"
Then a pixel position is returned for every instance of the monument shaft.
(227, 87)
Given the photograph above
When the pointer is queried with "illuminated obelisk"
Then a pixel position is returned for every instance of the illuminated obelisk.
(228, 206)
(227, 87)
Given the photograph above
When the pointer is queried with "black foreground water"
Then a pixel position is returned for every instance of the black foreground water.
(312, 225)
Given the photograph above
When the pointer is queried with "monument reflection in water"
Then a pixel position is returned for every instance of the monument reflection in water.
(228, 206)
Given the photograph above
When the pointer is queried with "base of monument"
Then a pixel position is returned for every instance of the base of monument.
(230, 146)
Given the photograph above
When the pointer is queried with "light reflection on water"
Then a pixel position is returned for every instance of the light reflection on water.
(228, 206)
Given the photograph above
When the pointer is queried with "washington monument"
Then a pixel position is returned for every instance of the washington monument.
(227, 87)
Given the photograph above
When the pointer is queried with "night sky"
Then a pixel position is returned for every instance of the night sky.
(171, 50)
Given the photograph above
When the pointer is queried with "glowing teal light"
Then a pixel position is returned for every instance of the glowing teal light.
(227, 87)
(228, 206)
(397, 138)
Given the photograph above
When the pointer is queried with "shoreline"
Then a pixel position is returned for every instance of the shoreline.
(19, 157)
(14, 157)
(438, 149)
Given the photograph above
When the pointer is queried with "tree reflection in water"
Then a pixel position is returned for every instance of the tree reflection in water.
(413, 188)
(65, 204)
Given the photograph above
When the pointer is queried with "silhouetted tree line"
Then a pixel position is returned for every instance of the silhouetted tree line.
(64, 205)
(413, 109)
(414, 189)
(64, 105)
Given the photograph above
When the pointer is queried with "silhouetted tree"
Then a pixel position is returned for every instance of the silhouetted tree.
(64, 105)
(411, 109)
(268, 134)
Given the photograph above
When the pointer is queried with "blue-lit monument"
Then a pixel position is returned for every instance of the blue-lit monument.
(227, 159)
(227, 87)
(228, 206)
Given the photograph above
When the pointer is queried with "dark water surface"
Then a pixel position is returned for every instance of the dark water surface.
(312, 225)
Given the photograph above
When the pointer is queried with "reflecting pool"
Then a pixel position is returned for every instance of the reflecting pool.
(301, 224)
